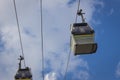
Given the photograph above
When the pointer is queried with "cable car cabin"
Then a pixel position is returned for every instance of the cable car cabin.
(23, 74)
(82, 39)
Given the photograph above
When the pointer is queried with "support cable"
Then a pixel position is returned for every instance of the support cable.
(77, 11)
(66, 70)
(67, 65)
(42, 46)
(18, 26)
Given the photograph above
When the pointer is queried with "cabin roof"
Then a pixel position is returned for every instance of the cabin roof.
(81, 29)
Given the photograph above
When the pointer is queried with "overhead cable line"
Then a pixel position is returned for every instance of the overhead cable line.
(18, 26)
(66, 70)
(42, 45)
(78, 8)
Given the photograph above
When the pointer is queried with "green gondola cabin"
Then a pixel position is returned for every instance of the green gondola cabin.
(82, 39)
(23, 73)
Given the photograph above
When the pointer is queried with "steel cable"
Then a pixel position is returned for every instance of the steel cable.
(70, 45)
(67, 65)
(42, 46)
(18, 27)
(77, 11)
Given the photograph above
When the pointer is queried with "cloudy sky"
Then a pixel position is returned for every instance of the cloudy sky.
(102, 15)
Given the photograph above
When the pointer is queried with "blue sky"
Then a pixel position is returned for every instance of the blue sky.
(102, 15)
(103, 63)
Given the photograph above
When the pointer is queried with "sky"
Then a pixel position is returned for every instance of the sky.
(102, 15)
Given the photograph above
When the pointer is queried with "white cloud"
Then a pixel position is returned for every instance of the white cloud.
(118, 70)
(57, 16)
(51, 4)
(81, 75)
(51, 76)
(111, 12)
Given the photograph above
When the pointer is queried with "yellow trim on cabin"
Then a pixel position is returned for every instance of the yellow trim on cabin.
(84, 35)
(23, 79)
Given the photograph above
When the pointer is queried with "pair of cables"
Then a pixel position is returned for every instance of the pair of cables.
(42, 36)
(66, 70)
(20, 38)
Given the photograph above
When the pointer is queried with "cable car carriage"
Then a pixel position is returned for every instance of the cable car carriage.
(23, 73)
(82, 39)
